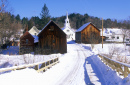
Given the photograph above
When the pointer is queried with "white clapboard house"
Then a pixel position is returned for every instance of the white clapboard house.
(113, 34)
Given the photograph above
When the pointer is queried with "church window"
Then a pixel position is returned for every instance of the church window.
(67, 30)
(117, 37)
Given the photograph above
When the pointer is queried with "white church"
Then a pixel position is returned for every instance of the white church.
(68, 30)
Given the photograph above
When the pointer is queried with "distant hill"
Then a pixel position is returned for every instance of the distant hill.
(77, 20)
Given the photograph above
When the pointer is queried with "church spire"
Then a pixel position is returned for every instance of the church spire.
(67, 24)
(66, 15)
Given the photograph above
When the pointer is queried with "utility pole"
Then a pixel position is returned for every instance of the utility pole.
(102, 32)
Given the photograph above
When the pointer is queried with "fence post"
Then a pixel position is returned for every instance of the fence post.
(125, 71)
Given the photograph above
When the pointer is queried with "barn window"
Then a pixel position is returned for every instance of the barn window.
(26, 41)
(90, 27)
(51, 28)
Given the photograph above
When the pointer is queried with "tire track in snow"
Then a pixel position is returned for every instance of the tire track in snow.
(76, 72)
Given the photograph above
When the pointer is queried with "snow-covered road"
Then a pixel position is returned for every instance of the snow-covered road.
(79, 66)
(70, 70)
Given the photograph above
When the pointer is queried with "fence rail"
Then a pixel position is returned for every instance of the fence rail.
(121, 68)
(41, 66)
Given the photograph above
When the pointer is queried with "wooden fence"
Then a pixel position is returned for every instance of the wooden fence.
(41, 66)
(121, 68)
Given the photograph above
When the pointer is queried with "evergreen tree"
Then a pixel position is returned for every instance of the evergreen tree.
(17, 18)
(45, 16)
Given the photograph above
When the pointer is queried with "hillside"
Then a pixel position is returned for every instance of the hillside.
(77, 20)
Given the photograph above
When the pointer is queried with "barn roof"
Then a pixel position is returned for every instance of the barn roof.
(35, 38)
(84, 26)
(48, 24)
(26, 33)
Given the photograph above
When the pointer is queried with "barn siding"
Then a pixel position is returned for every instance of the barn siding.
(26, 47)
(78, 37)
(53, 39)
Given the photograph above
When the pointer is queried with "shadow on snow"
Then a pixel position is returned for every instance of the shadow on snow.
(96, 70)
(71, 42)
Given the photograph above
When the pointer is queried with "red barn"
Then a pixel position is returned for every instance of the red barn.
(26, 43)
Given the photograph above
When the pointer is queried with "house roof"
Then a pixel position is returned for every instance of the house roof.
(111, 31)
(48, 24)
(26, 33)
(34, 29)
(35, 38)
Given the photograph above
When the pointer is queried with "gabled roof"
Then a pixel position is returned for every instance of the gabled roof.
(34, 28)
(47, 25)
(26, 33)
(84, 26)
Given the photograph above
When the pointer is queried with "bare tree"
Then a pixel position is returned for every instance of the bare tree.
(8, 26)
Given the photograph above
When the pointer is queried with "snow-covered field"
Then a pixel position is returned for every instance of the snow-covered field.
(10, 58)
(79, 66)
(119, 51)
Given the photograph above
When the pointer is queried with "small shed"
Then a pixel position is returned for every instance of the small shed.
(88, 33)
(52, 38)
(26, 43)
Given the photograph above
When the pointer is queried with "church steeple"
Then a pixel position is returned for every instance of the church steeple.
(66, 15)
(67, 24)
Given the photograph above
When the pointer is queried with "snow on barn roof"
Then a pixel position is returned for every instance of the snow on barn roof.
(82, 27)
(35, 38)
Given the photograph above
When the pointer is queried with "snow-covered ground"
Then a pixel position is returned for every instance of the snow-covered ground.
(79, 66)
(119, 51)
(9, 58)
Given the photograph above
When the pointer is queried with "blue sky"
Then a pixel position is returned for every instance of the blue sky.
(113, 9)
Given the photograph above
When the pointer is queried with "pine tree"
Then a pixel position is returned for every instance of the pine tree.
(45, 16)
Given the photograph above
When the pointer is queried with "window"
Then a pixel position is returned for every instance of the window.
(26, 41)
(117, 37)
(112, 37)
(51, 28)
(68, 36)
(90, 27)
(127, 39)
(35, 34)
(67, 30)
